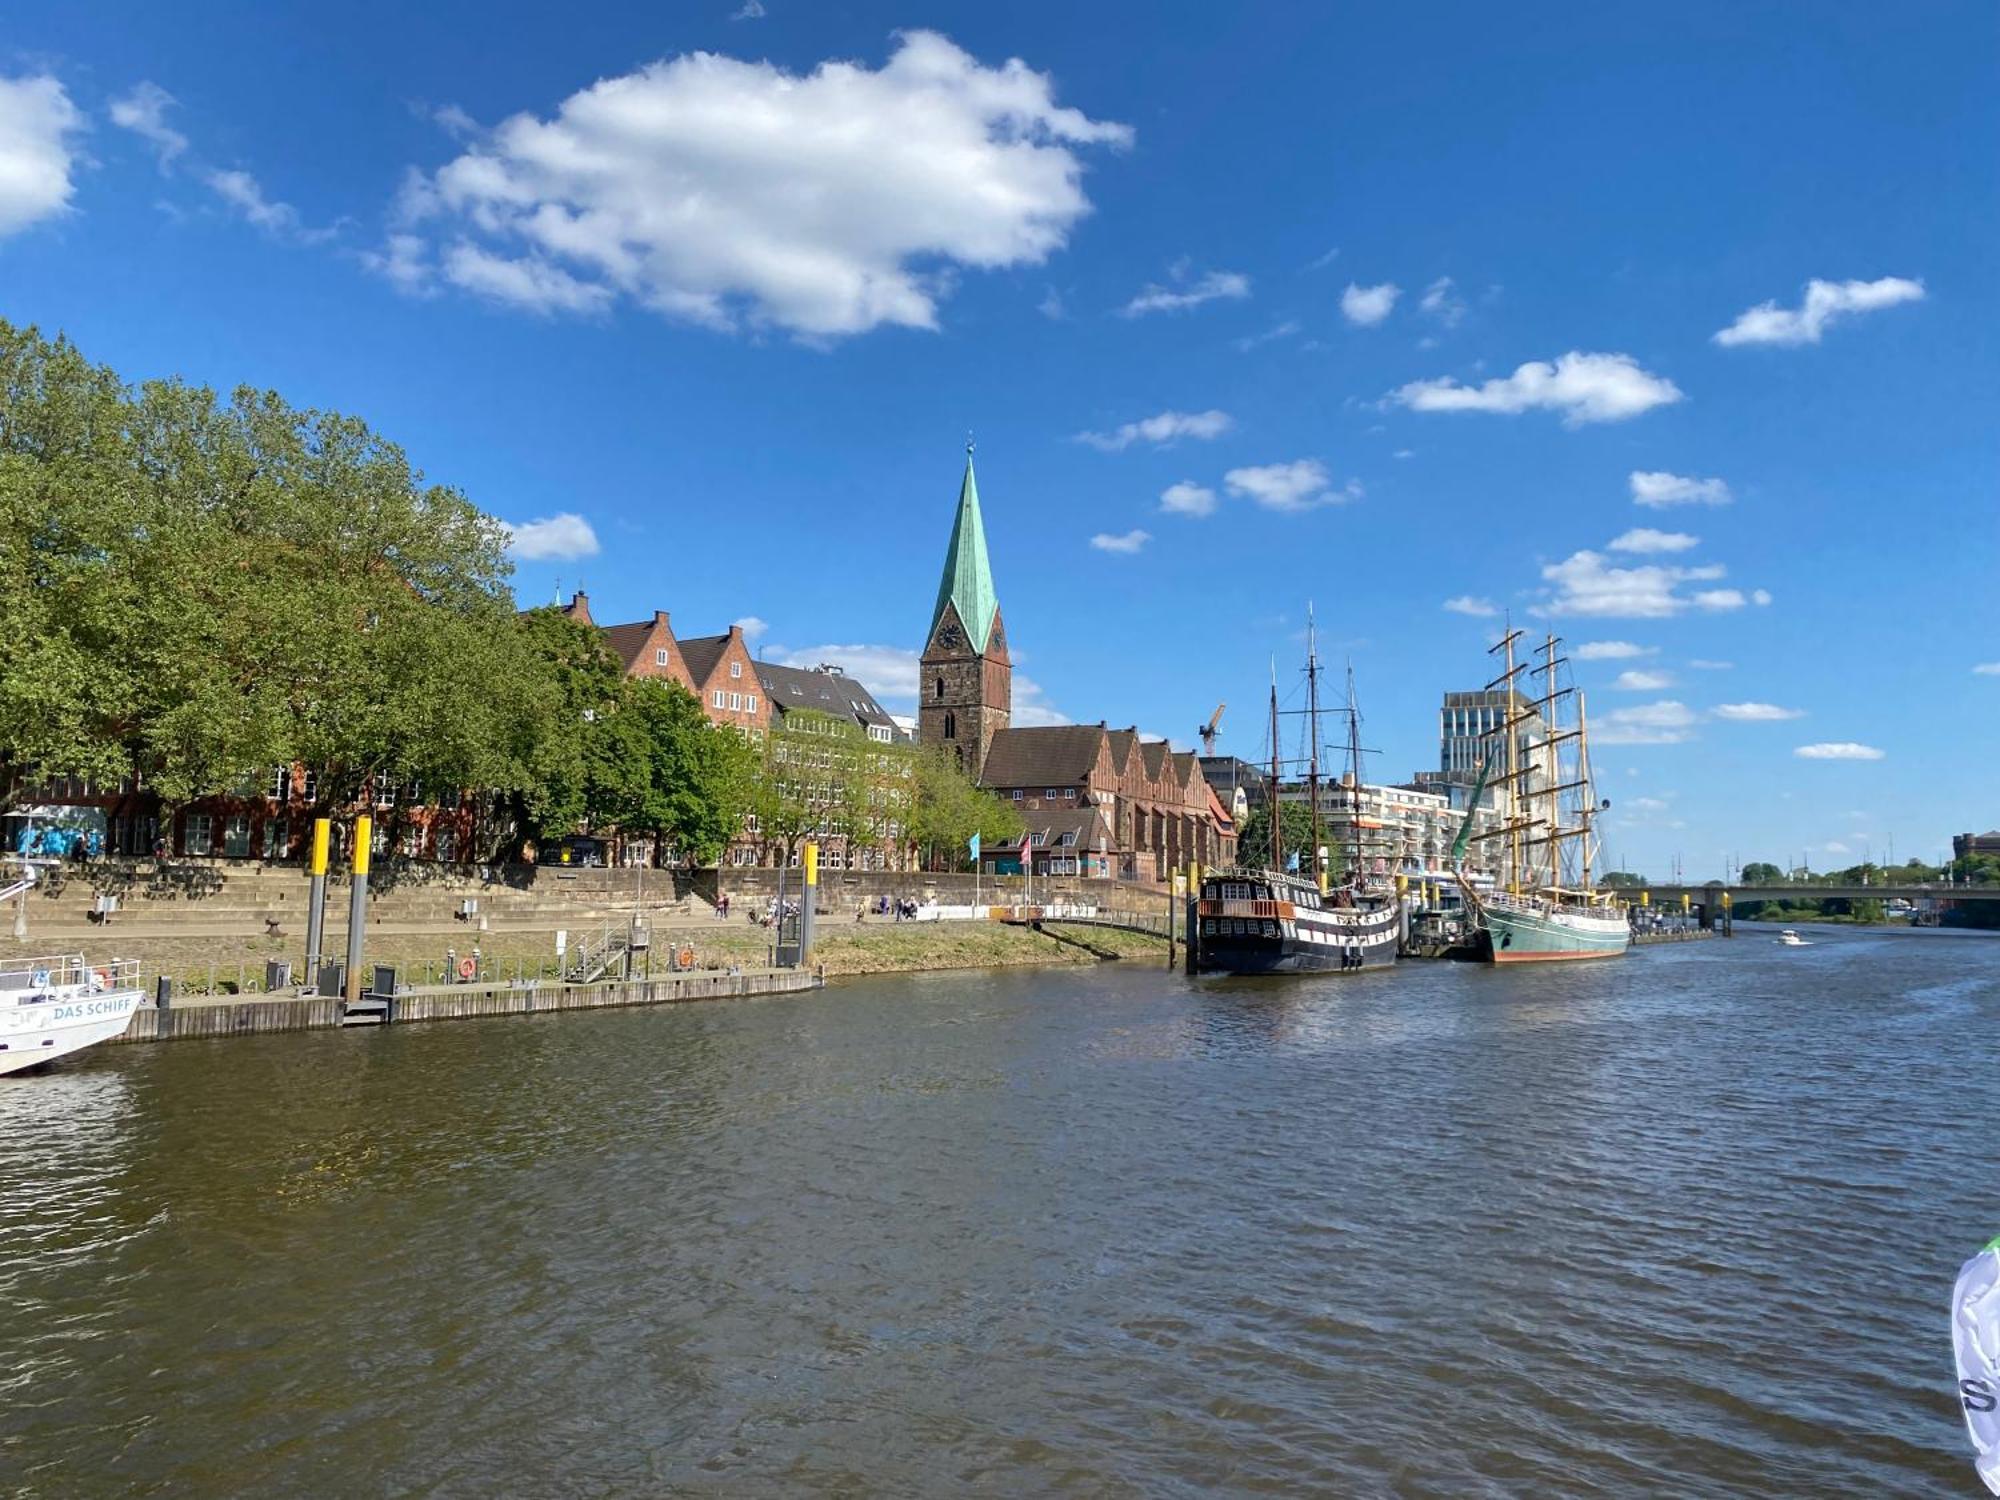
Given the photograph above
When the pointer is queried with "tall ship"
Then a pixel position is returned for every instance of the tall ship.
(1277, 920)
(1545, 906)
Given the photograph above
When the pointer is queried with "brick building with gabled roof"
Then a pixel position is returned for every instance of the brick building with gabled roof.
(724, 676)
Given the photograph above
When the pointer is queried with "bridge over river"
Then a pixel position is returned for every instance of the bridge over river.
(1699, 895)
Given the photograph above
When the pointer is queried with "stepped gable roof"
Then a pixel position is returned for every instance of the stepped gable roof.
(1043, 755)
(825, 689)
(1156, 753)
(700, 653)
(967, 583)
(1122, 741)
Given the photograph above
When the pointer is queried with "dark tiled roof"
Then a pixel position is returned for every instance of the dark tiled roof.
(700, 653)
(1087, 823)
(628, 640)
(828, 692)
(1047, 755)
(1156, 753)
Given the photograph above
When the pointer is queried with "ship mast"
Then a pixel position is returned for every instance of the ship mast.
(1554, 840)
(1507, 728)
(1271, 797)
(1354, 790)
(1589, 789)
(1312, 753)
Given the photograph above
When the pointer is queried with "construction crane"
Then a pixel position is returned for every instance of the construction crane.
(1207, 731)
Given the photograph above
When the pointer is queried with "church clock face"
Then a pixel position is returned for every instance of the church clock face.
(951, 638)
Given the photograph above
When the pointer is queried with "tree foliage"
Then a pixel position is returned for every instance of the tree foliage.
(948, 808)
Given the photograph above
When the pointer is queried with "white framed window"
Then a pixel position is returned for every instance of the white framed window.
(281, 784)
(379, 839)
(385, 791)
(1068, 841)
(736, 669)
(236, 836)
(660, 657)
(1052, 793)
(718, 697)
(447, 844)
(197, 834)
(277, 838)
(410, 843)
(735, 702)
(749, 703)
(1015, 794)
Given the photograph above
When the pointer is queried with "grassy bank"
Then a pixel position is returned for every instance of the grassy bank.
(236, 965)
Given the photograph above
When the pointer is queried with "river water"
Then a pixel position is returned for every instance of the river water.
(1681, 1225)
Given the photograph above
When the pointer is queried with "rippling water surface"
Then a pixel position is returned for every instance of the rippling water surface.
(1682, 1225)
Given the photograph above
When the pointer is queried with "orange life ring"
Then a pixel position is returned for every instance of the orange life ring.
(467, 968)
(687, 958)
(103, 978)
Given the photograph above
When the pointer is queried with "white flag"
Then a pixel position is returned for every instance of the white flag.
(1975, 1340)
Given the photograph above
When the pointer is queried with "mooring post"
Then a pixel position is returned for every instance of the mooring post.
(357, 906)
(316, 900)
(807, 904)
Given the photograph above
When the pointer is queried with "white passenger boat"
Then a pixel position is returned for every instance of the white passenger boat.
(59, 1004)
(1792, 940)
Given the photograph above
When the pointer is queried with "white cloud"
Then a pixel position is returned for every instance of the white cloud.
(750, 10)
(1586, 584)
(245, 195)
(1756, 713)
(1657, 488)
(1645, 804)
(753, 628)
(1583, 387)
(532, 283)
(1182, 293)
(1276, 331)
(37, 149)
(1838, 750)
(1123, 542)
(891, 673)
(1987, 669)
(1404, 453)
(403, 262)
(721, 191)
(1760, 597)
(1051, 306)
(1188, 499)
(1321, 262)
(1611, 651)
(1701, 665)
(1289, 488)
(455, 122)
(1160, 430)
(1643, 682)
(557, 538)
(144, 113)
(1467, 604)
(1441, 301)
(1666, 722)
(1825, 302)
(1365, 306)
(1835, 847)
(1645, 539)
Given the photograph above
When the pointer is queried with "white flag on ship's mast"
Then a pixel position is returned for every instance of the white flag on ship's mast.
(1975, 1340)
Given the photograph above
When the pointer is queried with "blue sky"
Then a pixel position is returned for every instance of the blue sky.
(1379, 307)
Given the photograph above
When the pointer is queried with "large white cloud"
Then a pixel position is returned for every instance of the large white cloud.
(708, 188)
(1587, 584)
(1646, 539)
(1184, 291)
(891, 674)
(1160, 430)
(38, 126)
(1825, 302)
(1124, 541)
(1611, 651)
(1756, 713)
(1667, 722)
(558, 538)
(1583, 387)
(1186, 498)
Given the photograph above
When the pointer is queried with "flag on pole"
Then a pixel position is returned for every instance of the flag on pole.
(973, 844)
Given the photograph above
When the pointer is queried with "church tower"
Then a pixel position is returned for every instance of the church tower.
(966, 690)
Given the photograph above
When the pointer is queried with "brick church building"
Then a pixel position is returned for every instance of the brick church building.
(1096, 801)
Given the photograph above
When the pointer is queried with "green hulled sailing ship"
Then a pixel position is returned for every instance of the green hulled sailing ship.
(1545, 906)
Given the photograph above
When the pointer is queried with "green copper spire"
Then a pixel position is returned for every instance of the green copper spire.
(968, 579)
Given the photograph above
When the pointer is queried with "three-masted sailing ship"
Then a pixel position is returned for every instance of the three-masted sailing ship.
(1275, 920)
(1545, 905)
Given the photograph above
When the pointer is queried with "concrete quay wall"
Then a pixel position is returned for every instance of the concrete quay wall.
(458, 1002)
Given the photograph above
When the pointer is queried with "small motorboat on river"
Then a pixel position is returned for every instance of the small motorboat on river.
(1790, 939)
(59, 1004)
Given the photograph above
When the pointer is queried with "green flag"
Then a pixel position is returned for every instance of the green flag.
(1472, 808)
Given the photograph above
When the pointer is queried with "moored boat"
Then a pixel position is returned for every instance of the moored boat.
(1547, 908)
(59, 1004)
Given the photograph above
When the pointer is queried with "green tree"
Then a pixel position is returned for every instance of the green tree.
(700, 779)
(1619, 880)
(1759, 872)
(1253, 841)
(581, 758)
(948, 808)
